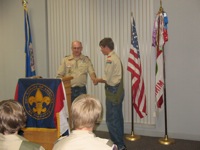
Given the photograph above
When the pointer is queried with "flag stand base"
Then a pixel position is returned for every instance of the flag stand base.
(166, 140)
(132, 137)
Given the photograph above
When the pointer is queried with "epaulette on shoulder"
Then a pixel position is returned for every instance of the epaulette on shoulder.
(85, 57)
(67, 55)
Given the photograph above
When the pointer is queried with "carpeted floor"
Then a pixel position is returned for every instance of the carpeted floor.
(152, 143)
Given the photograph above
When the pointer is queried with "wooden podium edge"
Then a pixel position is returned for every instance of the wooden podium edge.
(67, 84)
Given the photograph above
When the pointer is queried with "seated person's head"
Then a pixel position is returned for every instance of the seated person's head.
(12, 117)
(85, 111)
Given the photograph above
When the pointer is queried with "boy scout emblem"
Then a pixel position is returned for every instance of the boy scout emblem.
(38, 100)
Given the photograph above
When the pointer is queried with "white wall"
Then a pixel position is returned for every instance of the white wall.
(182, 61)
(12, 48)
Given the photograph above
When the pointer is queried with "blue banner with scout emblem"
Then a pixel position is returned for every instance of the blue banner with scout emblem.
(44, 103)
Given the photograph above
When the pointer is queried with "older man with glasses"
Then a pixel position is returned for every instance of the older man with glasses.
(78, 66)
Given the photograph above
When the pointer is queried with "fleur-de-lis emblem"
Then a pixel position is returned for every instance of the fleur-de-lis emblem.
(39, 100)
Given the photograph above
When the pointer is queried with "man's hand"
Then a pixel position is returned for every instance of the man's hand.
(95, 81)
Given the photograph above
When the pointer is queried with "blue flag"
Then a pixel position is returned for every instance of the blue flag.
(30, 64)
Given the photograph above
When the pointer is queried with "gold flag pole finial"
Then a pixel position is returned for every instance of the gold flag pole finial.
(161, 8)
(24, 3)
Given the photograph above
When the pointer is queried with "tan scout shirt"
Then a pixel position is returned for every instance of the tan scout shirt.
(13, 142)
(83, 140)
(77, 68)
(113, 69)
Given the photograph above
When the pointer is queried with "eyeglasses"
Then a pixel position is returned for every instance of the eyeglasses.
(78, 48)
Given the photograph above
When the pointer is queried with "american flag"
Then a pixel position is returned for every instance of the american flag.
(134, 67)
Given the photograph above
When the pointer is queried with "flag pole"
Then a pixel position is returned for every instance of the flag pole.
(165, 140)
(132, 136)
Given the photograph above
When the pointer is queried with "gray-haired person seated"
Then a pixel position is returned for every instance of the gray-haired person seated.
(85, 112)
(12, 119)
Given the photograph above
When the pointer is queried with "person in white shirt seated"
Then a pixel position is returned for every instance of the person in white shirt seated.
(85, 112)
(12, 119)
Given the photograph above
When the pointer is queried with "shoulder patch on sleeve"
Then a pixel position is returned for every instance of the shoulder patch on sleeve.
(109, 61)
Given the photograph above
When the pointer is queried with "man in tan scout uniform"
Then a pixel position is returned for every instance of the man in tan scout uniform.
(114, 90)
(78, 66)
